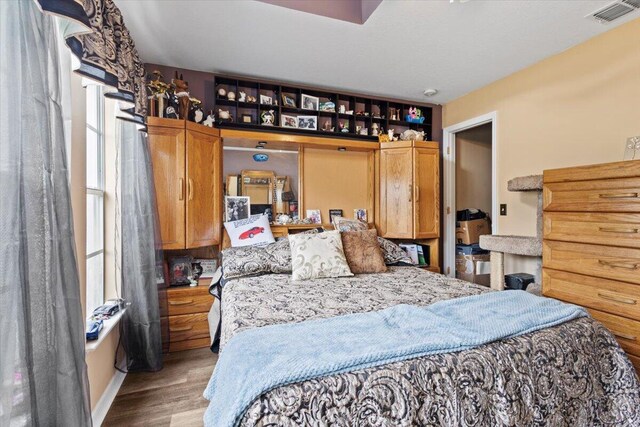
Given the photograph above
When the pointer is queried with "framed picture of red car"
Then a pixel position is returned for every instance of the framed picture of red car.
(237, 207)
(254, 231)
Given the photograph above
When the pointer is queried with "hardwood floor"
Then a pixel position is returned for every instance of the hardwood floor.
(171, 397)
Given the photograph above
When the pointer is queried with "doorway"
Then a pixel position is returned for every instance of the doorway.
(469, 177)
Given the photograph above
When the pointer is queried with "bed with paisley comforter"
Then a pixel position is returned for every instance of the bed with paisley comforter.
(573, 374)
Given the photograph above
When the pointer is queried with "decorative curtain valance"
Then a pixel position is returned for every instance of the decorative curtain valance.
(107, 54)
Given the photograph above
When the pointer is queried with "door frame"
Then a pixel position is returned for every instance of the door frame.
(449, 183)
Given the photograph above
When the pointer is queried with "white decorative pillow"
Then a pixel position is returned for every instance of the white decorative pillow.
(254, 230)
(314, 256)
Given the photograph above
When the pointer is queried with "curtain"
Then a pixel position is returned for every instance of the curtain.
(42, 366)
(143, 281)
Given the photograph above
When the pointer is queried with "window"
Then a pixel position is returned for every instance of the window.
(95, 198)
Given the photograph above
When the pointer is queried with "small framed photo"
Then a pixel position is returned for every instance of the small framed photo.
(360, 214)
(309, 102)
(266, 100)
(287, 121)
(247, 118)
(209, 266)
(314, 216)
(288, 101)
(333, 213)
(308, 122)
(237, 207)
(180, 270)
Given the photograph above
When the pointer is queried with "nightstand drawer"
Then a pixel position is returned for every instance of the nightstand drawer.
(189, 304)
(593, 260)
(188, 327)
(594, 228)
(626, 331)
(601, 294)
(606, 195)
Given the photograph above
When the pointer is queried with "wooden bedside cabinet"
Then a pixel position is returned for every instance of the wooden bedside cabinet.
(188, 308)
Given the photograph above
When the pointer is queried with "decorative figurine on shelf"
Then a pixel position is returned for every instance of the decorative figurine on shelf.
(344, 128)
(415, 115)
(182, 92)
(195, 113)
(231, 95)
(171, 112)
(224, 114)
(364, 131)
(251, 99)
(243, 96)
(268, 118)
(391, 133)
(412, 135)
(158, 90)
(374, 129)
(222, 92)
(383, 137)
(210, 120)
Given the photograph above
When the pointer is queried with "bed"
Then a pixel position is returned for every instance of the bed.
(571, 374)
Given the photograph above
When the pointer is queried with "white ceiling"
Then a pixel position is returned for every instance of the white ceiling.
(402, 49)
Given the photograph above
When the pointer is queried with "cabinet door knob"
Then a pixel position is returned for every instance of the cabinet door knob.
(190, 190)
(410, 192)
(181, 190)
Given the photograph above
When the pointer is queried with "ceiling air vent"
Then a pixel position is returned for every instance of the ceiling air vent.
(614, 11)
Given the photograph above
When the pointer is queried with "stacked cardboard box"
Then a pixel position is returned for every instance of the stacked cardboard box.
(473, 264)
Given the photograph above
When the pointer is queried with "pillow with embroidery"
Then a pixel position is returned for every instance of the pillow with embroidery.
(315, 256)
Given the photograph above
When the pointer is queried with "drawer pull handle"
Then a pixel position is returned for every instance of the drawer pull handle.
(619, 230)
(621, 300)
(182, 329)
(624, 336)
(619, 195)
(613, 264)
(187, 302)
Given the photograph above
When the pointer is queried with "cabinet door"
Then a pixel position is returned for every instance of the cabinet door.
(204, 198)
(396, 192)
(167, 148)
(426, 193)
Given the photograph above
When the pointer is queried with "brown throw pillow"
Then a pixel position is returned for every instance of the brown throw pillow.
(363, 252)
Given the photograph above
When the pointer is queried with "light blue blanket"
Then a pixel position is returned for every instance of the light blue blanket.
(261, 359)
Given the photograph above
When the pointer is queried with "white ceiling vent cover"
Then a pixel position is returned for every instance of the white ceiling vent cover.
(614, 11)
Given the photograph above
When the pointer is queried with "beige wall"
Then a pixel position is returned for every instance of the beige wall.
(99, 362)
(473, 168)
(575, 108)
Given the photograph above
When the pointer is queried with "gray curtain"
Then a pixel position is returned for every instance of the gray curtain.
(43, 375)
(143, 281)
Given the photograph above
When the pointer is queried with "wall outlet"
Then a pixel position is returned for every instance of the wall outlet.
(503, 209)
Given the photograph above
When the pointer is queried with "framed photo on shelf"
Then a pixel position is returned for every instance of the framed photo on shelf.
(180, 270)
(287, 101)
(360, 214)
(314, 216)
(237, 207)
(247, 118)
(309, 102)
(308, 122)
(333, 213)
(266, 100)
(287, 121)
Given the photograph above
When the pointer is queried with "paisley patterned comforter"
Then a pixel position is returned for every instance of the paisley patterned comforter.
(574, 374)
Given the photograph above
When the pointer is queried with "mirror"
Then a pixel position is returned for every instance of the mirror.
(259, 186)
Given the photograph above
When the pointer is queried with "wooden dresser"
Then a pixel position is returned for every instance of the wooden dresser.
(188, 309)
(591, 246)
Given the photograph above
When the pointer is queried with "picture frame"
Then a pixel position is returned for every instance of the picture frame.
(180, 270)
(237, 208)
(360, 214)
(247, 118)
(287, 101)
(333, 213)
(266, 100)
(315, 216)
(308, 102)
(209, 266)
(287, 121)
(308, 122)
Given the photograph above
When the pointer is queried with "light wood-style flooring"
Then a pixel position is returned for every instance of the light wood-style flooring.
(170, 397)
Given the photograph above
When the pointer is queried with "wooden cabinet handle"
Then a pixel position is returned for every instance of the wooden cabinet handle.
(624, 336)
(619, 230)
(181, 191)
(615, 298)
(417, 194)
(619, 195)
(624, 265)
(181, 329)
(410, 192)
(187, 302)
(190, 188)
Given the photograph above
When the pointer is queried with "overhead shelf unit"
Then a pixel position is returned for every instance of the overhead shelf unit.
(356, 113)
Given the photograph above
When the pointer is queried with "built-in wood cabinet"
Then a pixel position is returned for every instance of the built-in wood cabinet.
(409, 176)
(187, 169)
